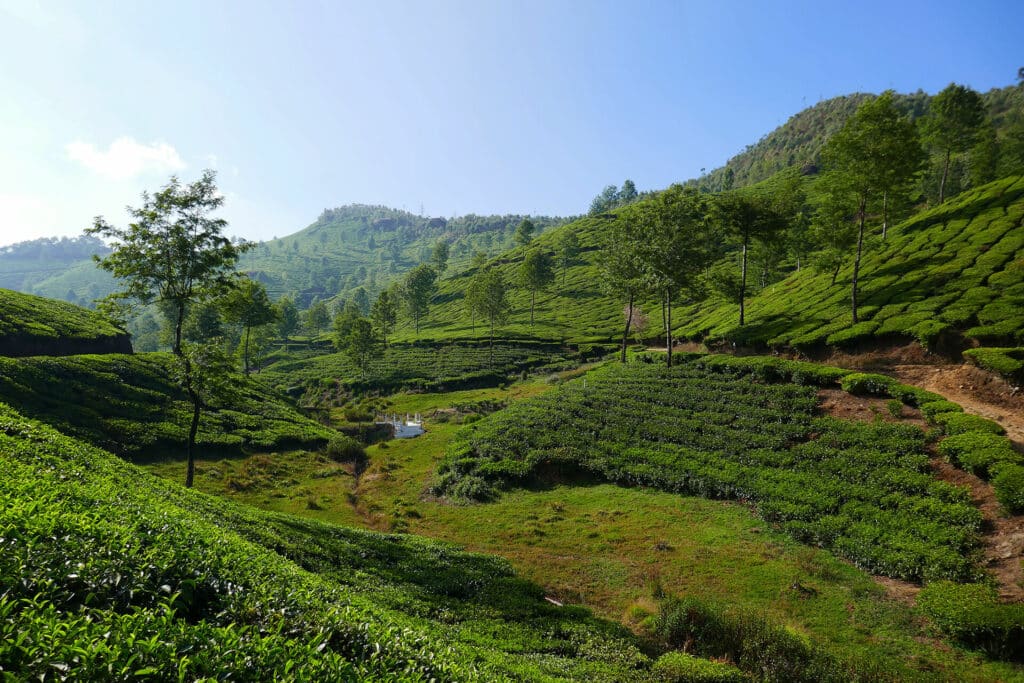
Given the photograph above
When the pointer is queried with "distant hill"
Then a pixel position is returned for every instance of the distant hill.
(369, 246)
(58, 268)
(799, 141)
(36, 326)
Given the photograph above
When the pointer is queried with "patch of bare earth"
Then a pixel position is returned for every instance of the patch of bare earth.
(979, 392)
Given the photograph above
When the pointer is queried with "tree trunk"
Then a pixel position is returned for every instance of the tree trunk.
(533, 298)
(668, 325)
(177, 329)
(945, 174)
(856, 261)
(835, 273)
(885, 214)
(629, 319)
(743, 280)
(190, 466)
(245, 353)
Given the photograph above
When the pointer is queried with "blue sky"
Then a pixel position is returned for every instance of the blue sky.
(457, 107)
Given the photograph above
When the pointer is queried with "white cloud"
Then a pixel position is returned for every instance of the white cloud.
(126, 158)
(25, 217)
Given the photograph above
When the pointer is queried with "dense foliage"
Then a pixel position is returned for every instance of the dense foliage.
(863, 489)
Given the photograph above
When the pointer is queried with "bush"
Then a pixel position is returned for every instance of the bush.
(679, 667)
(343, 448)
(1008, 481)
(972, 615)
(978, 452)
(961, 423)
(862, 383)
(933, 408)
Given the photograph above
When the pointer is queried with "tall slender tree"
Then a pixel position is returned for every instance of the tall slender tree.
(486, 297)
(876, 148)
(673, 247)
(956, 115)
(568, 247)
(535, 274)
(384, 314)
(622, 273)
(249, 306)
(417, 290)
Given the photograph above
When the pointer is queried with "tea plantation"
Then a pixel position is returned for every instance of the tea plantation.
(107, 573)
(130, 405)
(431, 367)
(32, 325)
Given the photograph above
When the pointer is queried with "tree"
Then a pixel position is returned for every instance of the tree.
(486, 297)
(628, 193)
(622, 273)
(604, 202)
(672, 247)
(439, 257)
(249, 306)
(203, 370)
(955, 117)
(568, 247)
(174, 251)
(384, 314)
(535, 274)
(287, 318)
(524, 232)
(361, 345)
(417, 290)
(344, 323)
(317, 318)
(876, 148)
(361, 298)
(746, 215)
(479, 260)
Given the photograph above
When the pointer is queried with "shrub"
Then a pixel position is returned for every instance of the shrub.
(933, 408)
(972, 615)
(679, 667)
(960, 423)
(343, 448)
(978, 452)
(1008, 481)
(862, 383)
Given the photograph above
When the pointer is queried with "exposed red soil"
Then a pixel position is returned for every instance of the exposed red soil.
(838, 403)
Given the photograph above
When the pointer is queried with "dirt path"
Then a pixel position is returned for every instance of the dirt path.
(979, 392)
(1002, 536)
(1003, 539)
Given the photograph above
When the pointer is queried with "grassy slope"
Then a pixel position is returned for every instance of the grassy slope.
(152, 580)
(603, 545)
(27, 316)
(956, 269)
(130, 405)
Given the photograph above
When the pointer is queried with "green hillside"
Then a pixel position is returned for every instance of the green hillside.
(32, 325)
(799, 141)
(56, 268)
(369, 246)
(150, 581)
(129, 405)
(952, 274)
